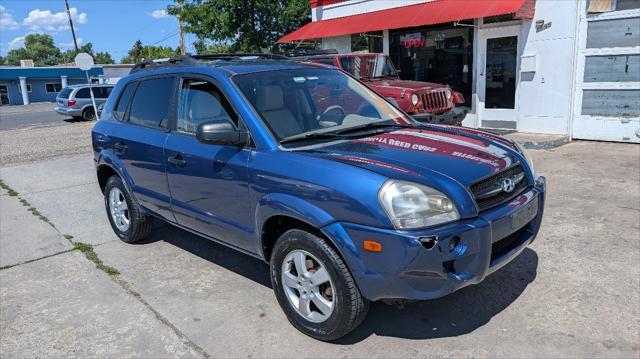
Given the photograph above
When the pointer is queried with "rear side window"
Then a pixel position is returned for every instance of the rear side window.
(123, 101)
(83, 93)
(65, 92)
(150, 104)
(102, 92)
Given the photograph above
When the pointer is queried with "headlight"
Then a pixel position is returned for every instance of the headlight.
(414, 99)
(411, 205)
(449, 93)
(526, 155)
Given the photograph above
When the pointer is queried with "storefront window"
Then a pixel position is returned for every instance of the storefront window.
(435, 54)
(369, 42)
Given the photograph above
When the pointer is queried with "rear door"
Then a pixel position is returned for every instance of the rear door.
(208, 183)
(143, 110)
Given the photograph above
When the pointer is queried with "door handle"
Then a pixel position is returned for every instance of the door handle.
(120, 147)
(177, 160)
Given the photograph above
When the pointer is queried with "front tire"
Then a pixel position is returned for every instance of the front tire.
(314, 286)
(125, 214)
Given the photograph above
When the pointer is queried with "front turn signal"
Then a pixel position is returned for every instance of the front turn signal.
(372, 246)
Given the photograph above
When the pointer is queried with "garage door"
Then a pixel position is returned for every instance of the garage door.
(607, 105)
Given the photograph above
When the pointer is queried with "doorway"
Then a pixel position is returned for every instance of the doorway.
(498, 77)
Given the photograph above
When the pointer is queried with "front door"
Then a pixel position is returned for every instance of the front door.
(4, 95)
(498, 77)
(208, 183)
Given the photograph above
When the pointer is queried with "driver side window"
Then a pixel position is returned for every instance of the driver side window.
(201, 102)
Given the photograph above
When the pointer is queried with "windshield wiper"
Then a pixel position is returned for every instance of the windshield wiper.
(371, 125)
(310, 136)
(341, 133)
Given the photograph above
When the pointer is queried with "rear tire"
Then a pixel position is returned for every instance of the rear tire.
(88, 114)
(341, 307)
(125, 214)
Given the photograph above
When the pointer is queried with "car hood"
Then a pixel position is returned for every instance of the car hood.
(404, 84)
(420, 153)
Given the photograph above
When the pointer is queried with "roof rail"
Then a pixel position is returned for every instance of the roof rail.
(310, 52)
(193, 59)
(238, 56)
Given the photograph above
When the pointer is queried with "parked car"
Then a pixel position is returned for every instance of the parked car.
(75, 100)
(347, 204)
(425, 101)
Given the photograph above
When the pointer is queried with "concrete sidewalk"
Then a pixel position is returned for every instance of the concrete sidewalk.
(573, 293)
(54, 302)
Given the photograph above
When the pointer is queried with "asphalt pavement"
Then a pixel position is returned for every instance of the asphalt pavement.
(573, 293)
(36, 133)
(39, 114)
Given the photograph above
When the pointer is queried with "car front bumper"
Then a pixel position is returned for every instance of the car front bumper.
(66, 111)
(406, 269)
(453, 117)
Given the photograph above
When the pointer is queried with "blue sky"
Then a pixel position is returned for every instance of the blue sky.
(110, 25)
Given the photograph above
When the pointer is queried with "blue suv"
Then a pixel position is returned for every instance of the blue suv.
(346, 197)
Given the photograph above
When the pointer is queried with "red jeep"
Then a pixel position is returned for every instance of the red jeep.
(425, 101)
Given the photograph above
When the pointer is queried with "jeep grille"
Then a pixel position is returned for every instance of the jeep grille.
(435, 102)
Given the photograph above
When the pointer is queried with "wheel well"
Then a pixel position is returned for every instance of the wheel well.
(104, 173)
(276, 226)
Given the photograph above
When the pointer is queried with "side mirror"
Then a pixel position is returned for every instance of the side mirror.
(221, 133)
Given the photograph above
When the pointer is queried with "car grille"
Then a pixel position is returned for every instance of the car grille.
(435, 101)
(488, 192)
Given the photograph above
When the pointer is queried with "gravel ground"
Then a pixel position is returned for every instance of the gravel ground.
(41, 144)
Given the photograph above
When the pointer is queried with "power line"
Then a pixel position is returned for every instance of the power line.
(166, 38)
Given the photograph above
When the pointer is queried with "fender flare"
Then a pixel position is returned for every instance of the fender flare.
(107, 158)
(279, 204)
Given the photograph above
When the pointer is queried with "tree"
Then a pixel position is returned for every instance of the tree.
(139, 53)
(3, 60)
(37, 47)
(247, 25)
(103, 58)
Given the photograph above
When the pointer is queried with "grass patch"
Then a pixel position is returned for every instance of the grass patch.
(91, 255)
(9, 190)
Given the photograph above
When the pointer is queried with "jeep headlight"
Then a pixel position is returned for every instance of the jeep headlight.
(411, 205)
(449, 93)
(526, 156)
(414, 99)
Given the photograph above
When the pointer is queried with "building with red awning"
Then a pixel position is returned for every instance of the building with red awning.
(568, 67)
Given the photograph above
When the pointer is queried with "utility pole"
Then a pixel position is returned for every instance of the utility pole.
(73, 32)
(181, 36)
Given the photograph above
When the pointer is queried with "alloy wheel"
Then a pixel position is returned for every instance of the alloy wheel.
(308, 286)
(119, 209)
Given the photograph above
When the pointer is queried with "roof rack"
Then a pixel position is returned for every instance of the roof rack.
(194, 59)
(310, 52)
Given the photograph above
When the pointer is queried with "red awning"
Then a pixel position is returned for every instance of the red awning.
(428, 13)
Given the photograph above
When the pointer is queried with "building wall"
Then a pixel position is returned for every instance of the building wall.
(38, 89)
(544, 96)
(335, 9)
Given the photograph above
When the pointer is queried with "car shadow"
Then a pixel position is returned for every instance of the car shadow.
(73, 120)
(456, 314)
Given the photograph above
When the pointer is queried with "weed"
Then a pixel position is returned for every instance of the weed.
(9, 190)
(91, 255)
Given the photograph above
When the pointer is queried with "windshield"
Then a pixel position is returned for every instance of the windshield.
(368, 66)
(300, 101)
